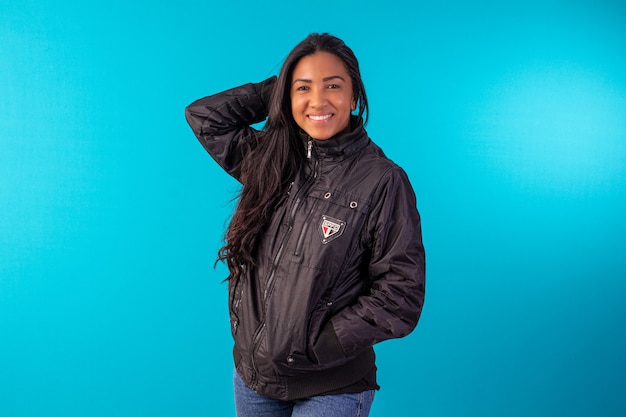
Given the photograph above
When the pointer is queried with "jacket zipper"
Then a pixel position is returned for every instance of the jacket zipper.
(234, 305)
(270, 281)
(306, 225)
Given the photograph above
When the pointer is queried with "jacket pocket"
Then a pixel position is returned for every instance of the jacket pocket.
(327, 349)
(330, 227)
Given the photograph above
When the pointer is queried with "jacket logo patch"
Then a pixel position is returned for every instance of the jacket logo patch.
(331, 228)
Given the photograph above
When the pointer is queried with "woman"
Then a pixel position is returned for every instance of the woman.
(324, 248)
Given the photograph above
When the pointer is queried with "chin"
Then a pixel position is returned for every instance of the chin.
(320, 134)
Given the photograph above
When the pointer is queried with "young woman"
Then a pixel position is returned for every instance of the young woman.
(324, 249)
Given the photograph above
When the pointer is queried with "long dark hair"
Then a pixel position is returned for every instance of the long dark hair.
(271, 166)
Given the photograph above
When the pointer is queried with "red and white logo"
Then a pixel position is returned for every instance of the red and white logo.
(331, 228)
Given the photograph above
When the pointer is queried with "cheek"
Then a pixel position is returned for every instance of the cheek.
(298, 109)
(296, 112)
(295, 106)
(345, 102)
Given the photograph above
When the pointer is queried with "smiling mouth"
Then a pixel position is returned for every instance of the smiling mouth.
(320, 117)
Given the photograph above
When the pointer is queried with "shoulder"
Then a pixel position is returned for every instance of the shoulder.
(379, 165)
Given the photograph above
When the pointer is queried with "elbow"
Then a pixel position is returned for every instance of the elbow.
(194, 122)
(413, 306)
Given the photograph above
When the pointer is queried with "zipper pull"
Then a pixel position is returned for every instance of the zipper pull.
(309, 148)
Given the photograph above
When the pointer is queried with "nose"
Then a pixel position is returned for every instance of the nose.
(318, 97)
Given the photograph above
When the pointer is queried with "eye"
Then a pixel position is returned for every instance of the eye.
(302, 88)
(333, 86)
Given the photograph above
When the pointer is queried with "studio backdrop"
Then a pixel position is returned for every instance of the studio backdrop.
(509, 118)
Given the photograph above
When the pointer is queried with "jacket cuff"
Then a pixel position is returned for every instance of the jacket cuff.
(264, 89)
(327, 347)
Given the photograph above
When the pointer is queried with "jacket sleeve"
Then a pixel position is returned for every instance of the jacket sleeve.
(392, 306)
(222, 122)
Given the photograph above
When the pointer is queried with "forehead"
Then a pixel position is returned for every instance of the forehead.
(320, 64)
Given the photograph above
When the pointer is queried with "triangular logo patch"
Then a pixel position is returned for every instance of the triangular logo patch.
(331, 228)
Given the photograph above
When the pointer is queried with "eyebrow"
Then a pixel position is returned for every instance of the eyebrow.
(325, 79)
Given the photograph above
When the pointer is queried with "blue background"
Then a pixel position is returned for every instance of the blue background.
(509, 117)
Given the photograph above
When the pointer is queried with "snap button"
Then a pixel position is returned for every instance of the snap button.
(353, 204)
(290, 359)
(330, 303)
(327, 196)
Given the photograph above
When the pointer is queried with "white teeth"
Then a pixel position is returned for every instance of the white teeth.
(319, 118)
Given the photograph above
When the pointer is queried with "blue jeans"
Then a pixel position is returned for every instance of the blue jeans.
(250, 404)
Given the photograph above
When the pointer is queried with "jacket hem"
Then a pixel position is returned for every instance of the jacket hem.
(318, 383)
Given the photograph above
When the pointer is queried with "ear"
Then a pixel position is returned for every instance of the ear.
(353, 105)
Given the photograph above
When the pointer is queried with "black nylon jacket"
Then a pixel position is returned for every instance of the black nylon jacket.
(340, 267)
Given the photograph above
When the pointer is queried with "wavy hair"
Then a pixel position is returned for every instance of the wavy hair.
(270, 168)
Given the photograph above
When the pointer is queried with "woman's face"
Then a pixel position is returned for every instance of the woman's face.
(321, 95)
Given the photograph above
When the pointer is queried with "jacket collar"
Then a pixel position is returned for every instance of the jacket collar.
(340, 146)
